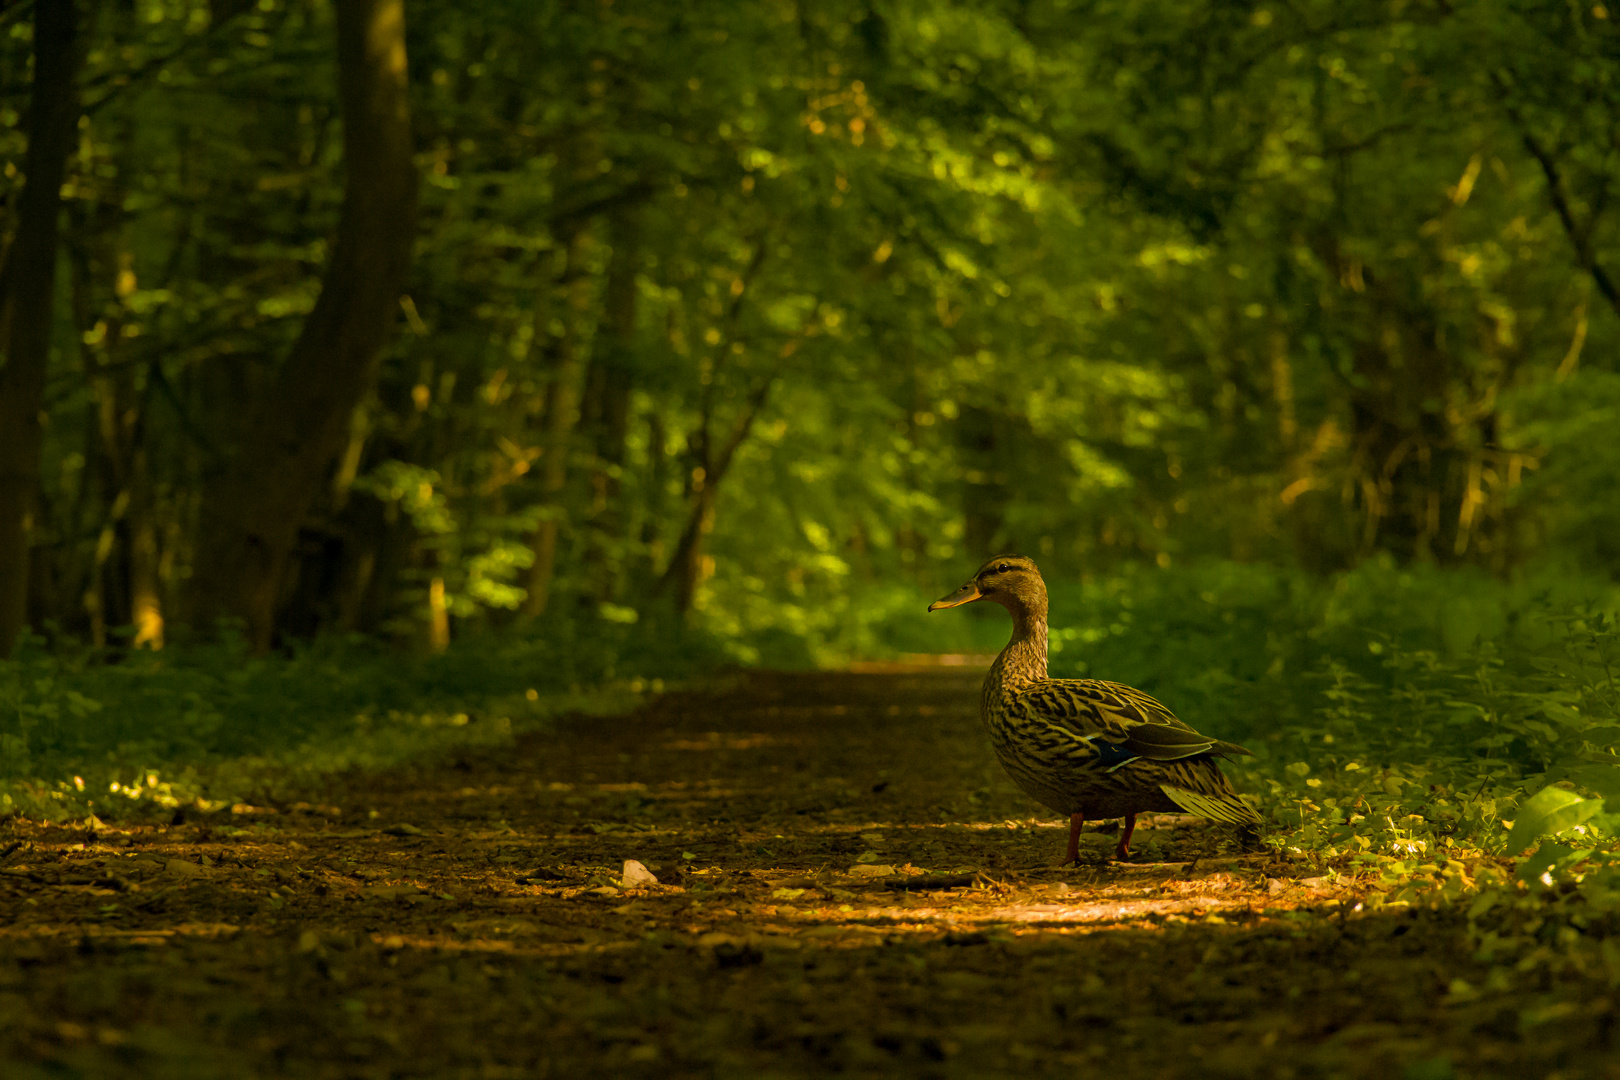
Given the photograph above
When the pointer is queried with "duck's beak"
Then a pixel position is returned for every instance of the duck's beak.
(965, 595)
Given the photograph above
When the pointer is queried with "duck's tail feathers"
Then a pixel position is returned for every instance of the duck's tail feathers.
(1227, 808)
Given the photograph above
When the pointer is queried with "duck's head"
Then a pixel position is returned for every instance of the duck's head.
(1013, 581)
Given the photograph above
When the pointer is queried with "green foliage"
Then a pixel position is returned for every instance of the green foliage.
(1411, 727)
(1401, 718)
(1157, 282)
(212, 725)
(1398, 717)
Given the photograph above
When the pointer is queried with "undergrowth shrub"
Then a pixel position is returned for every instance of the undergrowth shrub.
(1396, 714)
(112, 731)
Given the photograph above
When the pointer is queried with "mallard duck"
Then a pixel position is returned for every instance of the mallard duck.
(1087, 748)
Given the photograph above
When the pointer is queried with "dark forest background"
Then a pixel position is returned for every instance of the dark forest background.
(415, 321)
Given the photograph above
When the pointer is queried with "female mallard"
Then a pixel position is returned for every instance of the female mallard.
(1086, 748)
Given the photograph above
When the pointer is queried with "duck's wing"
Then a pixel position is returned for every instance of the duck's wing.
(1130, 723)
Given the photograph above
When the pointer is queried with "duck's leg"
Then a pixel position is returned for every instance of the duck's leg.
(1075, 822)
(1124, 849)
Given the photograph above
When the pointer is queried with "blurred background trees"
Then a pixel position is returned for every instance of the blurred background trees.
(769, 317)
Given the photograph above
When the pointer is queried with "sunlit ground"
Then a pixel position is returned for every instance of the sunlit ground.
(845, 883)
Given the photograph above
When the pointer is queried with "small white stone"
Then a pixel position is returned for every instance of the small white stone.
(636, 876)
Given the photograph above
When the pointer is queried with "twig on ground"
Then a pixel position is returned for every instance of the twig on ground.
(932, 881)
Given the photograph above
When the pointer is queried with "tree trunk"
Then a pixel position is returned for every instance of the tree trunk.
(561, 416)
(1407, 461)
(606, 414)
(688, 565)
(650, 553)
(984, 493)
(145, 558)
(686, 570)
(28, 293)
(252, 508)
(124, 582)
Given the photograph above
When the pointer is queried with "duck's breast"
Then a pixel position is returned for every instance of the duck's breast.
(1051, 767)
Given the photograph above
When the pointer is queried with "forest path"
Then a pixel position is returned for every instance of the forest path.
(466, 918)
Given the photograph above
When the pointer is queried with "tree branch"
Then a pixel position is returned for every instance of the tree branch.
(1579, 237)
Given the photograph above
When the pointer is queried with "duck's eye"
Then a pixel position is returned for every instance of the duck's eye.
(1002, 568)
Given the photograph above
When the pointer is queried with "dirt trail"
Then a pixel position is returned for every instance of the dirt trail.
(467, 919)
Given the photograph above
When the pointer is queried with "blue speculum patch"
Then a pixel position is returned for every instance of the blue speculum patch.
(1111, 756)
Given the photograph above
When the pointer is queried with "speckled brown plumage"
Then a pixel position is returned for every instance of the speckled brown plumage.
(1084, 747)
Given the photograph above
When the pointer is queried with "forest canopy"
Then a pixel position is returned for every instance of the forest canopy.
(414, 320)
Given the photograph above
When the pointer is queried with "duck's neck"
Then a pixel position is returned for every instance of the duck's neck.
(1023, 661)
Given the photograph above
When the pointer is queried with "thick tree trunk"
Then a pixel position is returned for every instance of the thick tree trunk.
(253, 506)
(28, 293)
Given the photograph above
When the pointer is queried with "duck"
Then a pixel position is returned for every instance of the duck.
(1086, 748)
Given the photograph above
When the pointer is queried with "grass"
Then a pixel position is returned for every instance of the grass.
(114, 733)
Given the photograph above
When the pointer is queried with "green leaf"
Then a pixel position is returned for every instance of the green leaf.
(1549, 812)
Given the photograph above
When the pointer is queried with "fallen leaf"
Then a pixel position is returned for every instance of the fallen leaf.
(870, 870)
